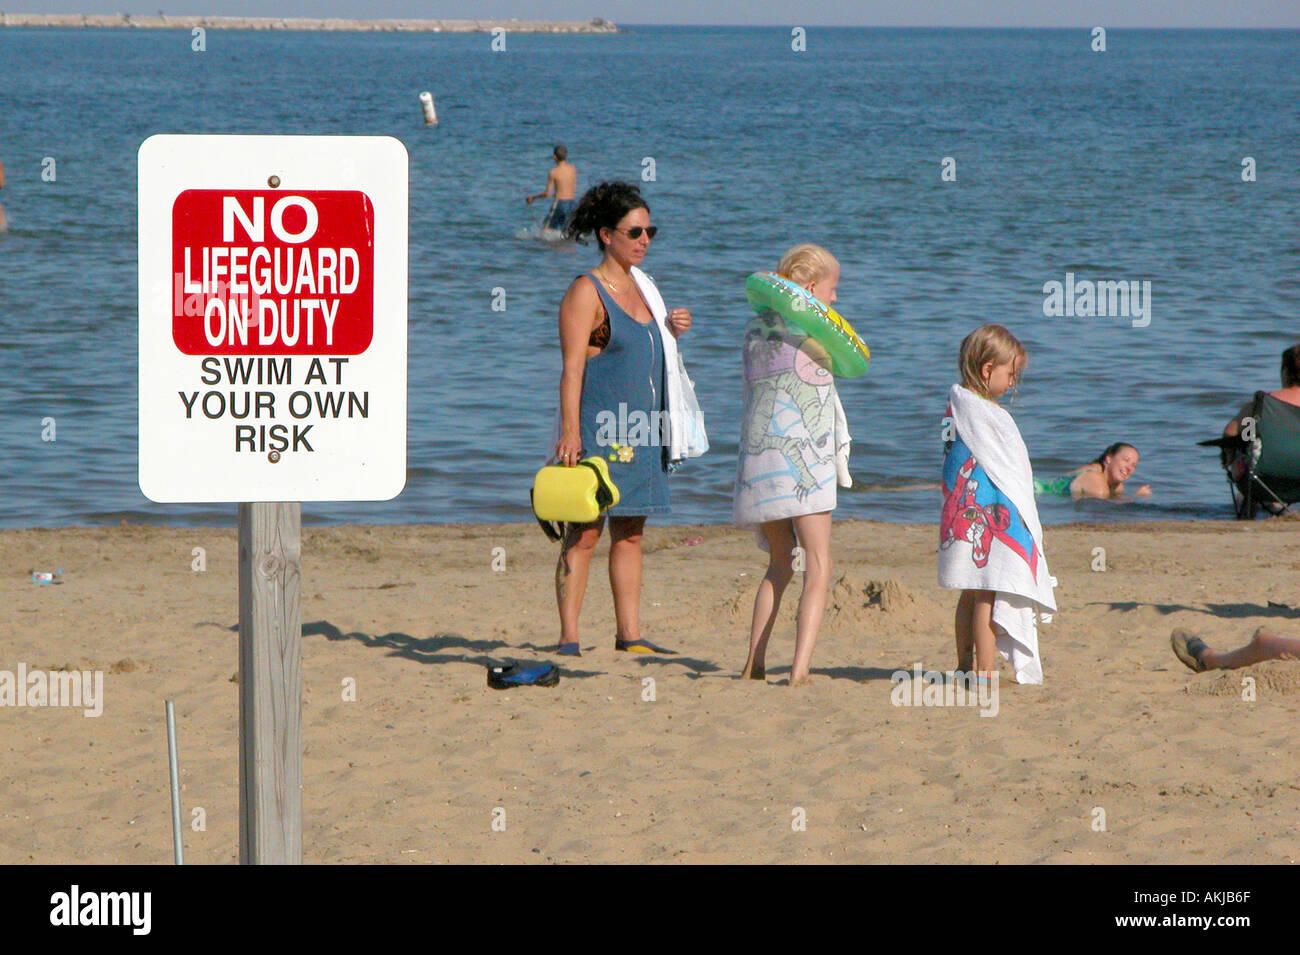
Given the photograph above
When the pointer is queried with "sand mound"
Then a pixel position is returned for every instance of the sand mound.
(851, 595)
(1274, 678)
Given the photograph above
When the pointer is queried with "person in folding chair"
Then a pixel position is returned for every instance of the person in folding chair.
(1260, 448)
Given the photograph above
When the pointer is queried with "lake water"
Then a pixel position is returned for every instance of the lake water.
(1123, 165)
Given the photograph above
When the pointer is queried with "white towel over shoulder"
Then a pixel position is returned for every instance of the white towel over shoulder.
(686, 435)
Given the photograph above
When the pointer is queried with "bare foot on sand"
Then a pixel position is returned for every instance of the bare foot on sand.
(753, 671)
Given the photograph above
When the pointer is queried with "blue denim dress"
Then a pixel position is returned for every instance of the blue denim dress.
(623, 415)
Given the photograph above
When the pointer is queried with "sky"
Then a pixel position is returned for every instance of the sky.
(939, 13)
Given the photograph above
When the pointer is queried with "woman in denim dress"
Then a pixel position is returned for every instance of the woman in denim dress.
(612, 405)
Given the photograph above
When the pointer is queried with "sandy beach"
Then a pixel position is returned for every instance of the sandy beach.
(714, 769)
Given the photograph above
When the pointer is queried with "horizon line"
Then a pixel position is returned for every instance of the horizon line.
(620, 25)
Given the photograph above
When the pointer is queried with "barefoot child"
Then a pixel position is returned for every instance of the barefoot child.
(794, 447)
(990, 540)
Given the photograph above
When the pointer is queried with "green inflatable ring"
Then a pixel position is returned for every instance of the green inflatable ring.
(767, 291)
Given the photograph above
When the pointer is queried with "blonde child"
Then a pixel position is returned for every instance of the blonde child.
(793, 451)
(990, 538)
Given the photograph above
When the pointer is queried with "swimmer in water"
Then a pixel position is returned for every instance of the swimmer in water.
(1103, 477)
(562, 182)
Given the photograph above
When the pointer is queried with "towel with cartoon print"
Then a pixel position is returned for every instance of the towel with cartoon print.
(990, 537)
(794, 441)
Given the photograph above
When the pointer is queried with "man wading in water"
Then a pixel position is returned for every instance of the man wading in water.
(562, 181)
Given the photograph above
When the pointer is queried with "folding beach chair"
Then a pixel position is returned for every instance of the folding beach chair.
(1264, 473)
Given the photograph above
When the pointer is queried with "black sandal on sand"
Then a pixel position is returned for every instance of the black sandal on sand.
(1188, 648)
(512, 675)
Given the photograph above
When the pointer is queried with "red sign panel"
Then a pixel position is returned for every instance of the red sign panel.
(269, 272)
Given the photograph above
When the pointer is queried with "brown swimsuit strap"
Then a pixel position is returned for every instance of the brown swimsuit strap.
(600, 334)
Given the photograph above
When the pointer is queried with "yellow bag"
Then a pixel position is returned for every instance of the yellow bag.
(572, 495)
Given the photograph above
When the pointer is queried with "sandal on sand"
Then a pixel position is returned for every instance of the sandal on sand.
(1188, 648)
(639, 646)
(512, 675)
(569, 650)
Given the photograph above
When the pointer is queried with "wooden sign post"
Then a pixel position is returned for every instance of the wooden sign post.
(270, 684)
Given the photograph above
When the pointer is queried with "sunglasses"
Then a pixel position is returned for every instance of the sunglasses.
(635, 232)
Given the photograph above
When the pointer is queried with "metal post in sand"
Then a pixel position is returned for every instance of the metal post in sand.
(178, 850)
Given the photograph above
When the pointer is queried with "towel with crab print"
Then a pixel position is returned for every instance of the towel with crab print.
(990, 537)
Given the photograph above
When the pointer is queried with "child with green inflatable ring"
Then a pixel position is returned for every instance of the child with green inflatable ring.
(849, 355)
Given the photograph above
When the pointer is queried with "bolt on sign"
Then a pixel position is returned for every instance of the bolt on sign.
(272, 318)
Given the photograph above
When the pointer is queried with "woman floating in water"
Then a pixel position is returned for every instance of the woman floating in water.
(1102, 477)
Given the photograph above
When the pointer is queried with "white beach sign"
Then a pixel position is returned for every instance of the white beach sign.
(272, 318)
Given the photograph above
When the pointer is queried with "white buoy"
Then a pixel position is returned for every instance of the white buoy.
(430, 114)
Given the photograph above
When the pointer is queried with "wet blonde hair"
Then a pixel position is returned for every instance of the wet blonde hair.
(988, 343)
(807, 263)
